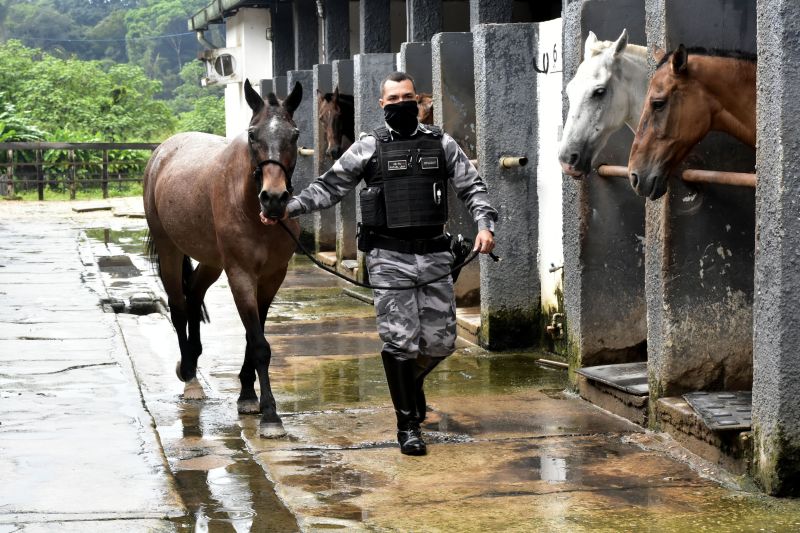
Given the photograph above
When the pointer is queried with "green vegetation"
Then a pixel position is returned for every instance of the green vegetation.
(100, 71)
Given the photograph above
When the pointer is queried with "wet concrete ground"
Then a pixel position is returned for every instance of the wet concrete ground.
(95, 435)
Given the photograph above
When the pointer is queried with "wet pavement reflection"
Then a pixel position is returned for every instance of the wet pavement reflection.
(510, 449)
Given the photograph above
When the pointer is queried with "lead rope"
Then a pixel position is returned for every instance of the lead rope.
(314, 260)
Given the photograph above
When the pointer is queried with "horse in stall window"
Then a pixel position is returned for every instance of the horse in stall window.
(693, 91)
(425, 103)
(607, 93)
(204, 197)
(337, 116)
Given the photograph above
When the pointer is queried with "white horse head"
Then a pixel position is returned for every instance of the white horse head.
(606, 93)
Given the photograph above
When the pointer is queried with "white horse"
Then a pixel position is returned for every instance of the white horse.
(607, 92)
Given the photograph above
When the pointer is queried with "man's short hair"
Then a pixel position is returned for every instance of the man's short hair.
(397, 77)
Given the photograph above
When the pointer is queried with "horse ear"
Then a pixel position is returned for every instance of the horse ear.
(679, 60)
(253, 99)
(588, 47)
(621, 43)
(293, 100)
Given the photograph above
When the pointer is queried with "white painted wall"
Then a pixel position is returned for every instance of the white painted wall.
(247, 31)
(551, 250)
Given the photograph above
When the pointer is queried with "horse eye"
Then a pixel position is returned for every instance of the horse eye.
(600, 91)
(658, 105)
(251, 135)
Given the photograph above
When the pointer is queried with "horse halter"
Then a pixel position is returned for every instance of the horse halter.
(258, 173)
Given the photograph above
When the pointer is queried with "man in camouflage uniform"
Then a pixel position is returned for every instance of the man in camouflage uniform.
(417, 326)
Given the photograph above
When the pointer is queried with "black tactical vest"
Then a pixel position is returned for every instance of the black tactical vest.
(409, 186)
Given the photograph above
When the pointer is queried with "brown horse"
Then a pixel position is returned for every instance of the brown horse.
(692, 92)
(337, 116)
(203, 196)
(425, 103)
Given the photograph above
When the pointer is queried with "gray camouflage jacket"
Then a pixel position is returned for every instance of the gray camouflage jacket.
(347, 172)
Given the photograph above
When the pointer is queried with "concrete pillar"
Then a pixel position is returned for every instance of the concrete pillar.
(604, 225)
(700, 239)
(266, 87)
(424, 19)
(369, 71)
(375, 33)
(776, 313)
(306, 34)
(279, 86)
(325, 220)
(415, 59)
(505, 88)
(454, 110)
(304, 169)
(336, 30)
(489, 12)
(282, 39)
(345, 211)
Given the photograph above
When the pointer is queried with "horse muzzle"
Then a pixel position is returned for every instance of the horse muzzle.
(273, 205)
(652, 185)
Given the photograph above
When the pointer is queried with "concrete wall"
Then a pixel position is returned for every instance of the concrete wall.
(603, 218)
(415, 59)
(776, 313)
(325, 220)
(245, 31)
(700, 239)
(454, 110)
(505, 88)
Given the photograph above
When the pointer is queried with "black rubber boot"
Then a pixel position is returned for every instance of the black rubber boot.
(423, 367)
(400, 378)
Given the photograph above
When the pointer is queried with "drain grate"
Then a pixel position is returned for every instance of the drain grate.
(627, 377)
(723, 410)
(138, 304)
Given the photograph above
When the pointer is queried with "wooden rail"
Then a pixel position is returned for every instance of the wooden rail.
(69, 179)
(740, 179)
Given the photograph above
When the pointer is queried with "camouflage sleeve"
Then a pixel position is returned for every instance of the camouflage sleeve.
(469, 186)
(332, 186)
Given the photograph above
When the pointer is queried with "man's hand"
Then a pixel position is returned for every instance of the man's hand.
(272, 221)
(484, 242)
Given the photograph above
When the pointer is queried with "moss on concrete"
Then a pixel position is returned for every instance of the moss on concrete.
(503, 329)
(776, 464)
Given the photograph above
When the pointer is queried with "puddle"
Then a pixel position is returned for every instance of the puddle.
(130, 240)
(118, 266)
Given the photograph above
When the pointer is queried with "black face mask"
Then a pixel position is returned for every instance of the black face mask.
(402, 117)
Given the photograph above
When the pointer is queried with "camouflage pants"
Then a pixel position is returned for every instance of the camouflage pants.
(418, 321)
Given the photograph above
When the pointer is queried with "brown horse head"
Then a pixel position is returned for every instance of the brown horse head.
(336, 114)
(272, 138)
(692, 92)
(425, 102)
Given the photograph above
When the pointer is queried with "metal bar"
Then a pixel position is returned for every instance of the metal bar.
(39, 175)
(513, 162)
(71, 157)
(75, 146)
(612, 171)
(741, 179)
(305, 151)
(104, 182)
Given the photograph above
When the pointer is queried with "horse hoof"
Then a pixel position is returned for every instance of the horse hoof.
(248, 407)
(272, 430)
(193, 390)
(178, 373)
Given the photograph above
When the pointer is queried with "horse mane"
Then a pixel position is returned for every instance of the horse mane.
(346, 99)
(712, 52)
(601, 46)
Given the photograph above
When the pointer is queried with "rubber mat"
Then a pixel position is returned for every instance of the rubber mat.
(723, 410)
(627, 377)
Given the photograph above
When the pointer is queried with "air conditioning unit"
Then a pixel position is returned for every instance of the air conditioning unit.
(223, 66)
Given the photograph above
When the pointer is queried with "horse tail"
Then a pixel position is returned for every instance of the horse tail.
(188, 270)
(152, 254)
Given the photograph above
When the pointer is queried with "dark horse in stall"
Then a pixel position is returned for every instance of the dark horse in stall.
(203, 197)
(337, 116)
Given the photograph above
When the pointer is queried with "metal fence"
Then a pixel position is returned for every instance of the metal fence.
(69, 166)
